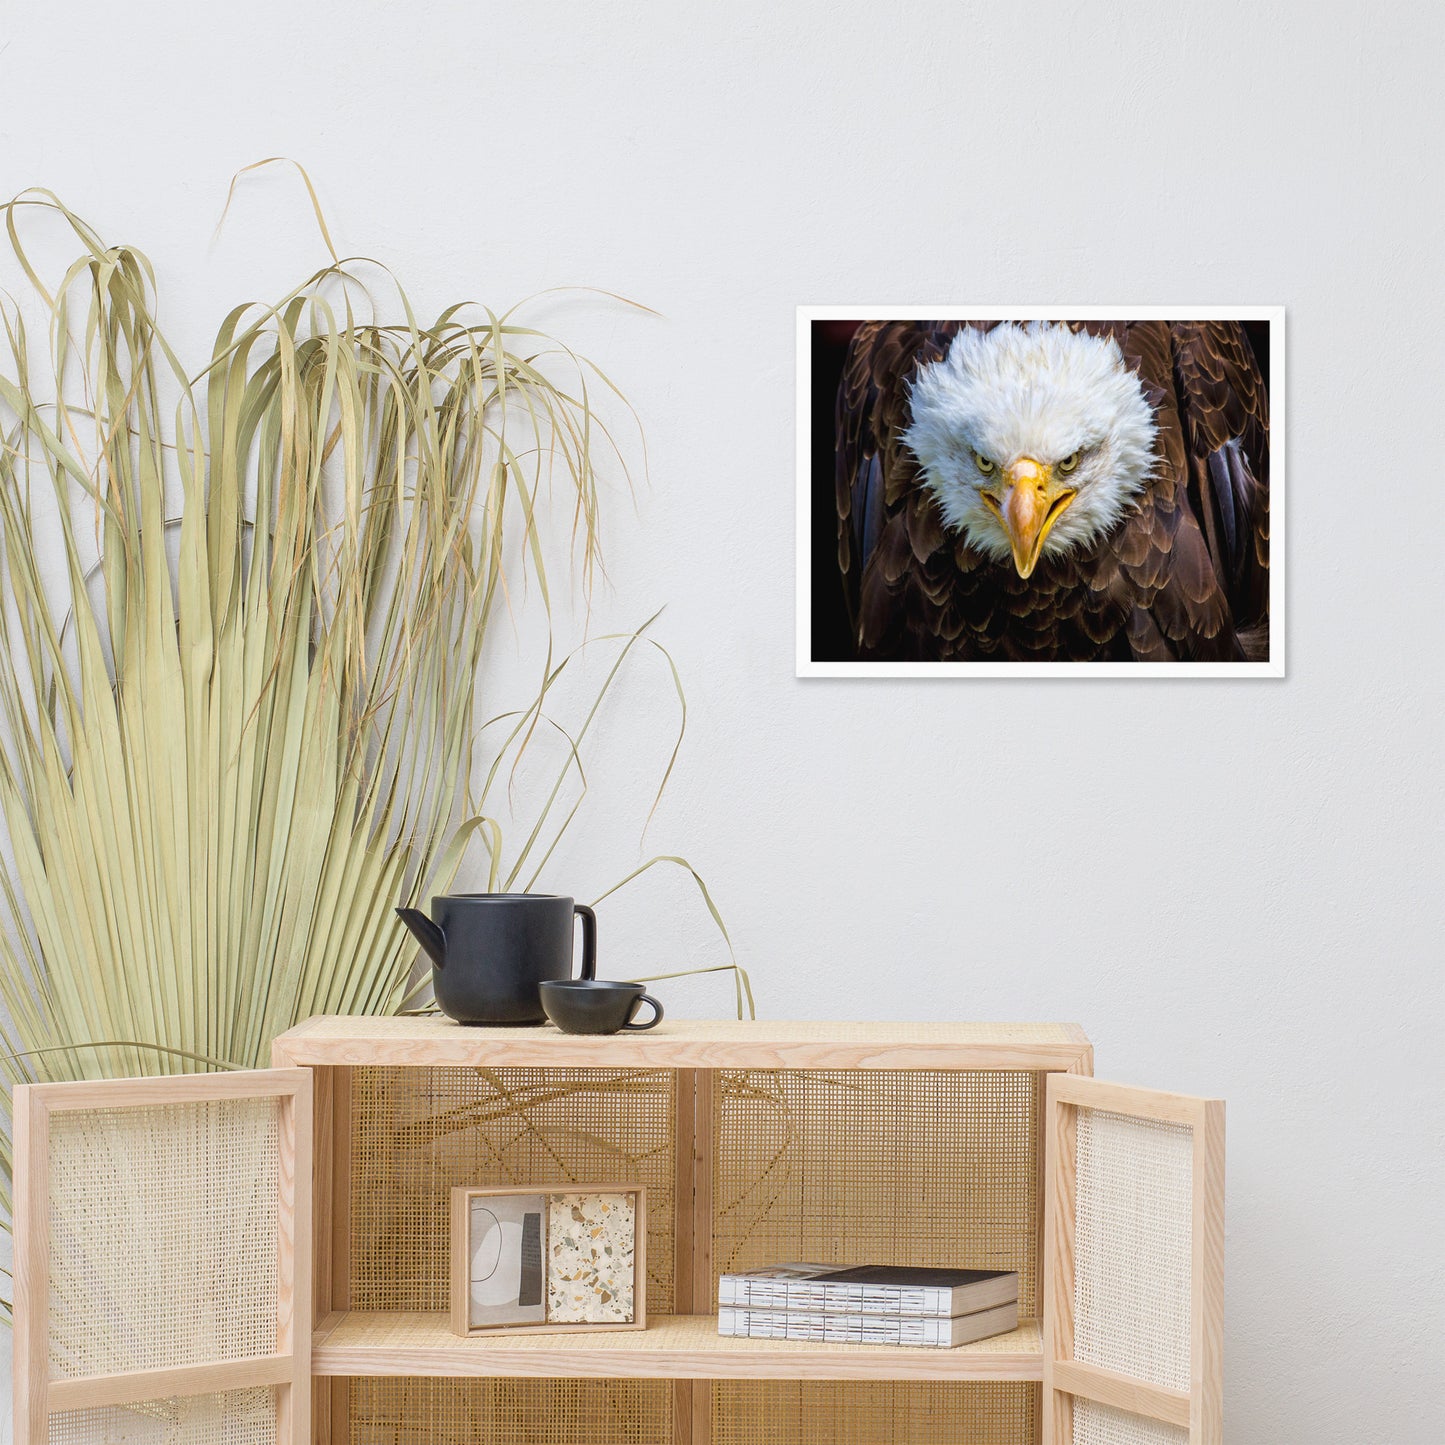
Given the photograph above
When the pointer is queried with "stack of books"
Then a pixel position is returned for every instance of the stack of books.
(871, 1304)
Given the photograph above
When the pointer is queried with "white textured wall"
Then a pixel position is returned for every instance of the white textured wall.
(1235, 886)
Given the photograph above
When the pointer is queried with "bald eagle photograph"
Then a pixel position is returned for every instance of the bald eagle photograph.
(1063, 492)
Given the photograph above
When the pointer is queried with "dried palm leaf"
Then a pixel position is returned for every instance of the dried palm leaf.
(240, 726)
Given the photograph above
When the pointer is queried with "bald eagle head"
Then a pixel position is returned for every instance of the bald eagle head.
(1035, 440)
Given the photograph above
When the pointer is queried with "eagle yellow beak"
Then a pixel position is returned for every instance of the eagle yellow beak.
(1028, 503)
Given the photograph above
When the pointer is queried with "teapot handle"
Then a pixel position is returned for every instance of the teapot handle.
(589, 940)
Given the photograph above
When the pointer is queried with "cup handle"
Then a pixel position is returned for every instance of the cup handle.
(653, 1022)
(589, 940)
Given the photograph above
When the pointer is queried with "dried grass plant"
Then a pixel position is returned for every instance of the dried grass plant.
(240, 725)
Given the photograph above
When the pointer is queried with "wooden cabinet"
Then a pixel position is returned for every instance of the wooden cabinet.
(979, 1144)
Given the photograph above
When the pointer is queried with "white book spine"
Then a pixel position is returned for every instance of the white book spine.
(835, 1328)
(742, 1291)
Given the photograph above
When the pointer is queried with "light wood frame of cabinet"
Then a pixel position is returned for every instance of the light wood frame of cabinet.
(1199, 1410)
(683, 1347)
(461, 1254)
(310, 1371)
(287, 1369)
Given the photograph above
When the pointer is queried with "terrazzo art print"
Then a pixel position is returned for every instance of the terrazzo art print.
(591, 1258)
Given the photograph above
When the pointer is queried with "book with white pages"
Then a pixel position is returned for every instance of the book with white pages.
(927, 1332)
(870, 1289)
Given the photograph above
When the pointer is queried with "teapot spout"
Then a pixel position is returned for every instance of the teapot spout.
(431, 938)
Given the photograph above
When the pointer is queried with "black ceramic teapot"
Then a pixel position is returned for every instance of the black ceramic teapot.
(490, 951)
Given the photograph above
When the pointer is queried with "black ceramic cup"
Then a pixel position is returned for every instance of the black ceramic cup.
(596, 1006)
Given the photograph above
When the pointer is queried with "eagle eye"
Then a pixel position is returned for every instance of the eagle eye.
(1069, 462)
(985, 466)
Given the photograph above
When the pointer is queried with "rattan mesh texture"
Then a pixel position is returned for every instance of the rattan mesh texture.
(1096, 1424)
(418, 1132)
(776, 1412)
(409, 1411)
(1132, 1249)
(920, 1167)
(162, 1237)
(234, 1417)
(902, 1166)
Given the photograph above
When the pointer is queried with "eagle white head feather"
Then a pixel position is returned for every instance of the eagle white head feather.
(1034, 439)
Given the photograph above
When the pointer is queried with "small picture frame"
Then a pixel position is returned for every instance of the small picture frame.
(554, 1258)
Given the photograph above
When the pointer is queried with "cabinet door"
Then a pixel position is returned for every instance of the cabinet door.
(1133, 1266)
(162, 1260)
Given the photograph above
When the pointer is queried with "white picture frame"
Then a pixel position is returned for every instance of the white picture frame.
(809, 501)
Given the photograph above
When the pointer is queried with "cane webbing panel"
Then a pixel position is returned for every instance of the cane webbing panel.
(1096, 1424)
(234, 1417)
(878, 1167)
(163, 1244)
(416, 1133)
(775, 1412)
(1133, 1246)
(410, 1411)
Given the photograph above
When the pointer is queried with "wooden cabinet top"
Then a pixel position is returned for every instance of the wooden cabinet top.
(689, 1044)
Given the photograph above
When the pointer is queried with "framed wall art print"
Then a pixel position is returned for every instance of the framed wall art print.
(1024, 491)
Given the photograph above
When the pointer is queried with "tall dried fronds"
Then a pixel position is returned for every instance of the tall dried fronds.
(241, 615)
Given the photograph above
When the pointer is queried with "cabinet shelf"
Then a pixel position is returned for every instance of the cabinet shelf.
(437, 1042)
(672, 1347)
